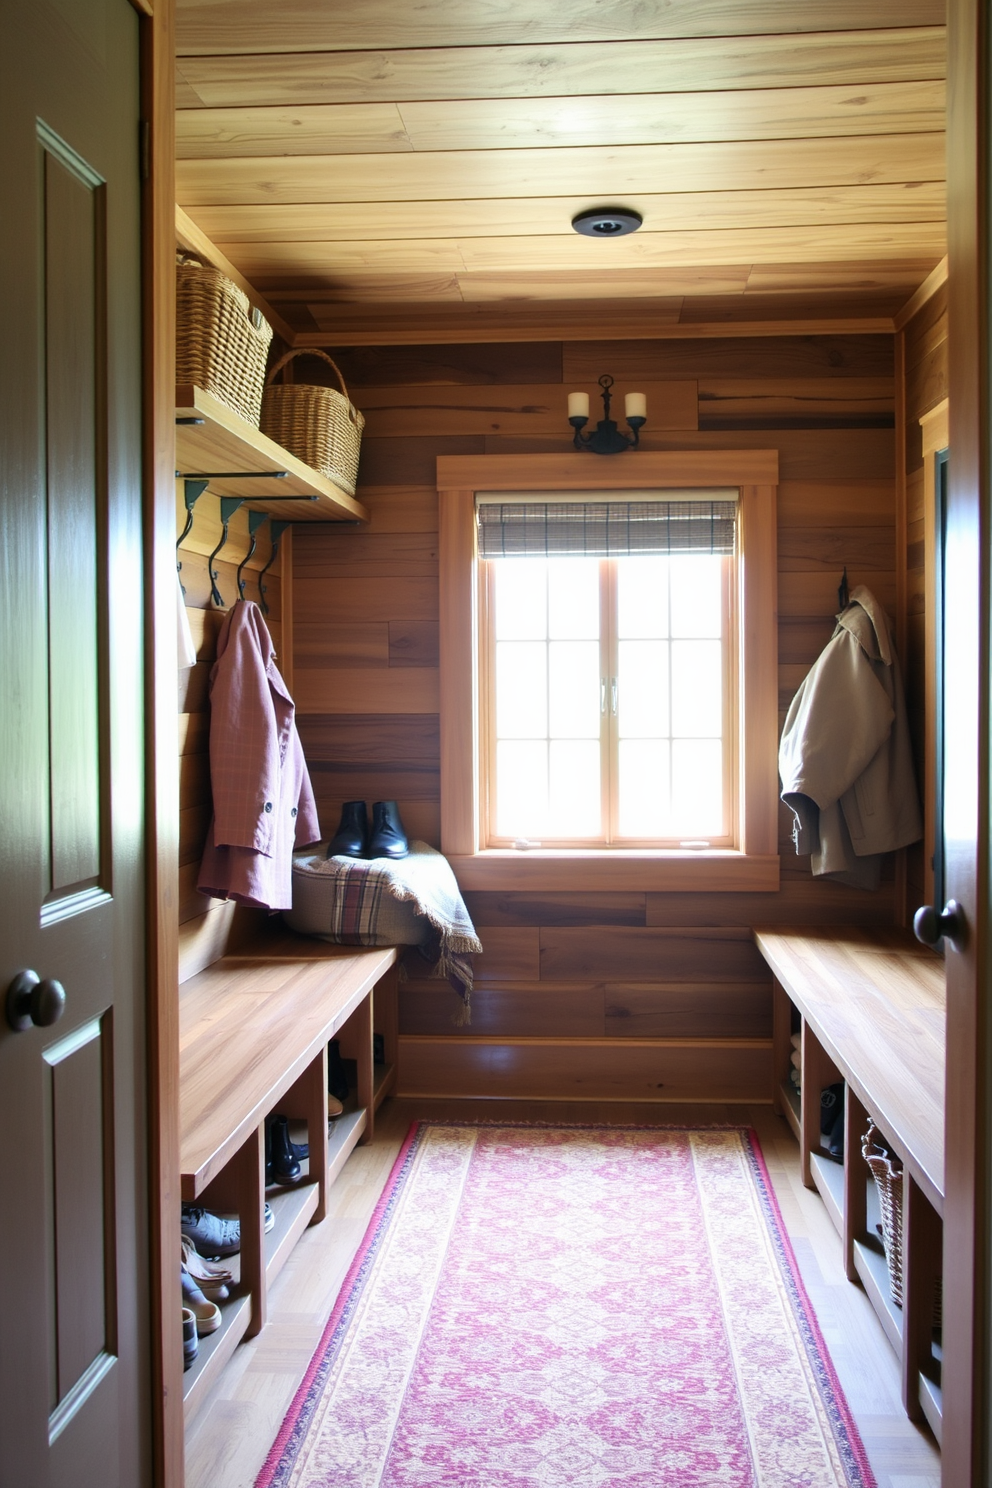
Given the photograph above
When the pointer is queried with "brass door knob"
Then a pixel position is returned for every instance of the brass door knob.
(32, 1001)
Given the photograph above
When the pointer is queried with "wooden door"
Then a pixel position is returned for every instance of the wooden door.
(74, 1394)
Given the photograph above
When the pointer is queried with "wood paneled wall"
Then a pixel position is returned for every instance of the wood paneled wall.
(926, 384)
(208, 927)
(654, 996)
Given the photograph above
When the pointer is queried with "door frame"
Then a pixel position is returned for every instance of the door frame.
(965, 1377)
(158, 204)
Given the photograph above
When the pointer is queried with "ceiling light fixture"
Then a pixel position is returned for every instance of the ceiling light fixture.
(606, 438)
(607, 222)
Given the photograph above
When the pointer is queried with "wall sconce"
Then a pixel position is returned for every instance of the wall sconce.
(606, 438)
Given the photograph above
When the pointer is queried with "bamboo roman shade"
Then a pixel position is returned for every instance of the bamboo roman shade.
(607, 529)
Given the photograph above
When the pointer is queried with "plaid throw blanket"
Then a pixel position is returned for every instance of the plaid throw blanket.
(414, 901)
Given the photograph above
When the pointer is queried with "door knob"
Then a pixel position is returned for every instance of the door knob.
(950, 924)
(31, 1000)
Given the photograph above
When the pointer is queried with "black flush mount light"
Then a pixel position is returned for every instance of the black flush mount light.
(607, 222)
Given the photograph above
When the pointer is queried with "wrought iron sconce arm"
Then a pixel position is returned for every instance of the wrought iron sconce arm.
(606, 438)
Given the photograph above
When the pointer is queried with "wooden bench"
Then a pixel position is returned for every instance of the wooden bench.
(254, 1030)
(870, 1007)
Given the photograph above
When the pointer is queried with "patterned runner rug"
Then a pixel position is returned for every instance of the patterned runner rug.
(592, 1307)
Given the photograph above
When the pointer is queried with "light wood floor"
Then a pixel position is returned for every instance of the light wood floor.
(231, 1437)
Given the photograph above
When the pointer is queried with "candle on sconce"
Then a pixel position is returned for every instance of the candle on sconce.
(578, 405)
(635, 405)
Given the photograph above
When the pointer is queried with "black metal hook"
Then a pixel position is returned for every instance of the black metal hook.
(228, 506)
(192, 491)
(255, 521)
(277, 530)
(843, 591)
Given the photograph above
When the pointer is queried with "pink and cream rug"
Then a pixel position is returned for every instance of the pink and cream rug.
(598, 1308)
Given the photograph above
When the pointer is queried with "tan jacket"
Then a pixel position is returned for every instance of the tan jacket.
(845, 758)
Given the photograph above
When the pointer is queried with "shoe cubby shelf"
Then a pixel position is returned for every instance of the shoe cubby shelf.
(254, 1030)
(869, 1007)
(213, 440)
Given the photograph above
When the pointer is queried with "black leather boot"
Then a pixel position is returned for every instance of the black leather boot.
(388, 839)
(285, 1168)
(352, 835)
(337, 1075)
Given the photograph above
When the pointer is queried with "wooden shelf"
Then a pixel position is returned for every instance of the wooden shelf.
(293, 1209)
(932, 1403)
(214, 1352)
(829, 1179)
(872, 1267)
(792, 1108)
(224, 442)
(343, 1134)
(383, 1081)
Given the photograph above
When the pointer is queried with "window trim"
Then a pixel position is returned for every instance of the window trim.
(755, 866)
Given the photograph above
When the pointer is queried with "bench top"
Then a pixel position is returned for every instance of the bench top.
(876, 1001)
(248, 1027)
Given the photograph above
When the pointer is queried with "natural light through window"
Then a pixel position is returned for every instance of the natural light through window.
(610, 698)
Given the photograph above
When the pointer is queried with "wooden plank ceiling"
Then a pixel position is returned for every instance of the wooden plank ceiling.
(378, 167)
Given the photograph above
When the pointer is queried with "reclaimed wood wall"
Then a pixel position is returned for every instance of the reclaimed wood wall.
(653, 996)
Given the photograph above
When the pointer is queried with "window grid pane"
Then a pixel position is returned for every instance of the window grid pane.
(669, 665)
(547, 719)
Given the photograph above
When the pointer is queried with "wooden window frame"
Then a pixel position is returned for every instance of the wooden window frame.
(754, 866)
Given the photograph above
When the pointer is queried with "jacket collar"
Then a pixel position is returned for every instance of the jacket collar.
(864, 604)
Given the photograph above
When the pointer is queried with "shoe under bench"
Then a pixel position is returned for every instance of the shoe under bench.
(870, 1008)
(254, 1029)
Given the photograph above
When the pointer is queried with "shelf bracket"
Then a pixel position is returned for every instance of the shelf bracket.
(255, 521)
(209, 475)
(192, 491)
(277, 530)
(228, 506)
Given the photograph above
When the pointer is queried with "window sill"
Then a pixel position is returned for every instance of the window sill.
(565, 871)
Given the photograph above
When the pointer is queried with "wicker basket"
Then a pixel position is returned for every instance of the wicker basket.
(319, 425)
(221, 342)
(889, 1185)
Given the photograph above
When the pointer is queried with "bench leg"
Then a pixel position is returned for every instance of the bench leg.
(781, 1044)
(857, 1176)
(817, 1072)
(361, 1023)
(921, 1260)
(247, 1172)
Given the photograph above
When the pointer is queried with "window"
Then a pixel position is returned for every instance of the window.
(607, 666)
(609, 687)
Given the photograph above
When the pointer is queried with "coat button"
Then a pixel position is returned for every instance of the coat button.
(293, 812)
(268, 805)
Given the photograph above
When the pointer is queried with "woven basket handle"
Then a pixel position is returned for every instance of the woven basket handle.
(314, 351)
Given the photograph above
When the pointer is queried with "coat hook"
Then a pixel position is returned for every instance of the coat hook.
(843, 592)
(255, 520)
(277, 530)
(228, 506)
(192, 491)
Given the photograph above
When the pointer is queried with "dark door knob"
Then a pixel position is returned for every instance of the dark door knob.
(31, 1000)
(930, 927)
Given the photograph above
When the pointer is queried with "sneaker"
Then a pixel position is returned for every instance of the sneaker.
(212, 1237)
(270, 1218)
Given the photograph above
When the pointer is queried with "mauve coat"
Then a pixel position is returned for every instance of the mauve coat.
(263, 801)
